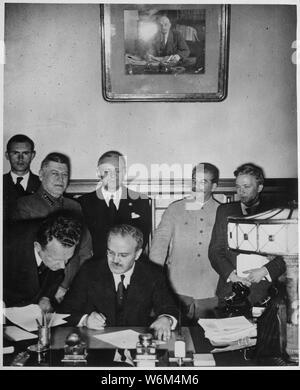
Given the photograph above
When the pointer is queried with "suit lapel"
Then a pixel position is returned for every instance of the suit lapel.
(104, 294)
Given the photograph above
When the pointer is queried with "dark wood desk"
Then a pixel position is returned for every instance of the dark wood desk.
(101, 354)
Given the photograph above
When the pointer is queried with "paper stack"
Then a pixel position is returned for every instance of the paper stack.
(226, 331)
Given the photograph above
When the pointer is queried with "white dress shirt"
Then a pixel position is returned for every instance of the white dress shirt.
(116, 196)
(24, 182)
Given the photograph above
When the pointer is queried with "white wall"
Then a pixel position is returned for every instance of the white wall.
(52, 92)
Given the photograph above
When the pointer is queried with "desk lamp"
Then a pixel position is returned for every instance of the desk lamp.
(274, 232)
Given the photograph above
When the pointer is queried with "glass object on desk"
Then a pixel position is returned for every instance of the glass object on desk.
(146, 351)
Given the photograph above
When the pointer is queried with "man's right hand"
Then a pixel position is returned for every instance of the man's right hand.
(95, 321)
(234, 278)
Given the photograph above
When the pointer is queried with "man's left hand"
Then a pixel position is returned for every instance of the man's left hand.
(257, 274)
(60, 293)
(162, 328)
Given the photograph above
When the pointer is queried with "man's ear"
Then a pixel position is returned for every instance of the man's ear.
(6, 156)
(260, 188)
(41, 174)
(214, 187)
(138, 254)
(37, 246)
(33, 153)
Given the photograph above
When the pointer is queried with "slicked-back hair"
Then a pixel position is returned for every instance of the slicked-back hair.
(19, 138)
(127, 230)
(56, 157)
(207, 167)
(250, 169)
(64, 226)
(111, 154)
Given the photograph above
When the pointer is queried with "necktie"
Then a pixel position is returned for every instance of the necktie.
(19, 187)
(112, 210)
(120, 291)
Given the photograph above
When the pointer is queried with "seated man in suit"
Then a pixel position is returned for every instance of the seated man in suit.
(20, 181)
(168, 44)
(249, 184)
(54, 175)
(112, 203)
(35, 255)
(121, 291)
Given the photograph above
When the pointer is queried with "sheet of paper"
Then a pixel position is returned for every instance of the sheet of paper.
(26, 316)
(246, 262)
(17, 334)
(224, 324)
(126, 339)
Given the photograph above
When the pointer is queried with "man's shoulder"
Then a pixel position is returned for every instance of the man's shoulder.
(227, 208)
(135, 195)
(87, 198)
(72, 203)
(147, 268)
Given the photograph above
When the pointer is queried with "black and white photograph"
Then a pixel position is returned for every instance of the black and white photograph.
(150, 189)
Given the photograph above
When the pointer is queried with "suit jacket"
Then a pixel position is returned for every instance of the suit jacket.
(223, 260)
(175, 44)
(40, 205)
(134, 209)
(10, 194)
(20, 271)
(93, 289)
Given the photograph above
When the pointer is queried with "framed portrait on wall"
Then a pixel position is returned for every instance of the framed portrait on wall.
(165, 52)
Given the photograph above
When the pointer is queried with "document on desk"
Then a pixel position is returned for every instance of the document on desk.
(125, 339)
(16, 334)
(26, 316)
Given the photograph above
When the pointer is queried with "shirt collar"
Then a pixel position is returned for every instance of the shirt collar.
(194, 204)
(24, 182)
(51, 200)
(117, 195)
(126, 281)
(244, 207)
(37, 258)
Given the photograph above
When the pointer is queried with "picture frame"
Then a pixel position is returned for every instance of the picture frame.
(136, 68)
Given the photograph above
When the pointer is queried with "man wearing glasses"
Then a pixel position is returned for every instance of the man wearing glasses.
(181, 242)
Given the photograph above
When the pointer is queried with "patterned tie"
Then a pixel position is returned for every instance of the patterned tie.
(120, 291)
(19, 187)
(112, 210)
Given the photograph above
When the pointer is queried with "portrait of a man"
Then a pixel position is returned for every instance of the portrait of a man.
(164, 41)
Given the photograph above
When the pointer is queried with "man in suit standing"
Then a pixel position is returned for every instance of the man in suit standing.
(249, 185)
(20, 181)
(54, 175)
(112, 203)
(121, 291)
(35, 255)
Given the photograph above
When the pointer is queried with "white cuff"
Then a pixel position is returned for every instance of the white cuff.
(82, 320)
(174, 321)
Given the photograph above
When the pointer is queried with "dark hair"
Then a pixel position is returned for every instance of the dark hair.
(111, 153)
(20, 138)
(56, 157)
(250, 169)
(63, 226)
(212, 169)
(127, 230)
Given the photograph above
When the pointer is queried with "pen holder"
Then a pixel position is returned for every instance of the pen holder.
(43, 338)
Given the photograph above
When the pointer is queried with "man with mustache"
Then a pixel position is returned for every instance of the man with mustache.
(121, 290)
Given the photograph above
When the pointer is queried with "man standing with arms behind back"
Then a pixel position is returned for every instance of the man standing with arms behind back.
(20, 181)
(181, 240)
(249, 185)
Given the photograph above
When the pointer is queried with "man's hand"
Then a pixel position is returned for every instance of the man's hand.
(95, 321)
(234, 278)
(60, 293)
(45, 305)
(174, 58)
(162, 328)
(257, 274)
